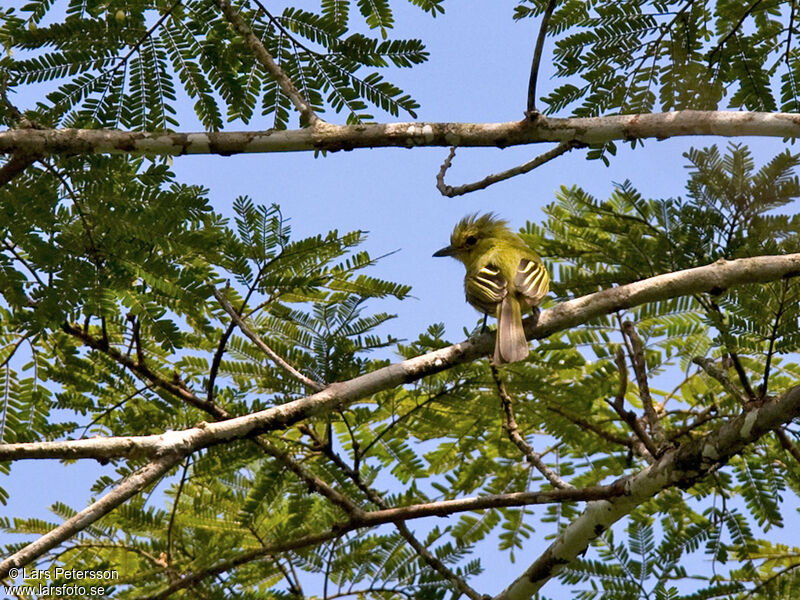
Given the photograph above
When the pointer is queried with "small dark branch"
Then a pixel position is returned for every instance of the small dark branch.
(256, 339)
(145, 36)
(619, 399)
(737, 365)
(732, 32)
(712, 370)
(13, 351)
(176, 388)
(531, 112)
(645, 448)
(790, 30)
(511, 427)
(707, 415)
(788, 444)
(457, 582)
(217, 360)
(459, 190)
(223, 341)
(171, 525)
(104, 333)
(130, 486)
(307, 115)
(12, 248)
(640, 369)
(715, 314)
(314, 483)
(111, 409)
(16, 164)
(587, 425)
(770, 579)
(773, 336)
(94, 253)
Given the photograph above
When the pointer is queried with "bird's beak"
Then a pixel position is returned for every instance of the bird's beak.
(446, 251)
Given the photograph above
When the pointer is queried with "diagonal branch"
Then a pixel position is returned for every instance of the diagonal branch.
(640, 369)
(307, 115)
(511, 427)
(459, 190)
(130, 486)
(732, 31)
(681, 466)
(16, 165)
(719, 275)
(721, 376)
(256, 339)
(643, 445)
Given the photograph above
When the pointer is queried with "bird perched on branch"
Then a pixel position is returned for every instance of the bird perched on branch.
(504, 278)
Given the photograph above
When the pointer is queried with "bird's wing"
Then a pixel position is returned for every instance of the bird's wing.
(531, 281)
(486, 288)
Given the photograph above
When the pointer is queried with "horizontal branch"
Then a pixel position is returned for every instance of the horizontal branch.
(400, 514)
(325, 136)
(677, 467)
(710, 278)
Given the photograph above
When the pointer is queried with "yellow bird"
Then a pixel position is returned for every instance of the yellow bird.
(504, 277)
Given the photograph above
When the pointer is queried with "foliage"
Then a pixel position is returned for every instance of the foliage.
(122, 64)
(109, 310)
(108, 320)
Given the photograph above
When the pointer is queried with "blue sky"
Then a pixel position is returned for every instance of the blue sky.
(478, 72)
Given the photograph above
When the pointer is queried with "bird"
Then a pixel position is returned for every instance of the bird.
(504, 278)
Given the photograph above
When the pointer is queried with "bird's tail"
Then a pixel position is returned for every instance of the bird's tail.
(511, 344)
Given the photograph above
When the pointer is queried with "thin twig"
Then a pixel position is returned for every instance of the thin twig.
(720, 322)
(510, 425)
(587, 425)
(256, 339)
(721, 376)
(307, 115)
(640, 369)
(773, 336)
(645, 447)
(704, 417)
(732, 32)
(176, 388)
(459, 190)
(788, 444)
(174, 512)
(531, 112)
(790, 29)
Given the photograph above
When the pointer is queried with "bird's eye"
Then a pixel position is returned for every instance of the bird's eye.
(471, 240)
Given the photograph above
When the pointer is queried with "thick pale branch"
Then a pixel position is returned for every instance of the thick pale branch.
(132, 485)
(324, 136)
(677, 467)
(714, 277)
